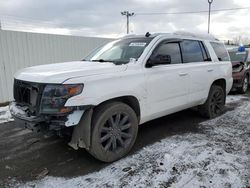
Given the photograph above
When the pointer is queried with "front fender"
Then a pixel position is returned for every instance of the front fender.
(81, 136)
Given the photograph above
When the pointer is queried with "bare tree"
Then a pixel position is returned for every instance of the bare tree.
(238, 40)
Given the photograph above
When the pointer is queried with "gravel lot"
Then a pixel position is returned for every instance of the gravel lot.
(179, 150)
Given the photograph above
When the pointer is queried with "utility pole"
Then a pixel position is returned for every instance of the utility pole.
(127, 14)
(209, 12)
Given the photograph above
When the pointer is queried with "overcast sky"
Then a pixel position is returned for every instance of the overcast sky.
(103, 18)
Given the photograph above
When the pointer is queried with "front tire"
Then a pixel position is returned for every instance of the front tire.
(243, 89)
(115, 127)
(215, 103)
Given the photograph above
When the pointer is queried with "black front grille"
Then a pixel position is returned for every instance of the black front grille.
(28, 93)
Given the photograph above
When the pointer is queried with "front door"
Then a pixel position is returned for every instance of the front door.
(167, 80)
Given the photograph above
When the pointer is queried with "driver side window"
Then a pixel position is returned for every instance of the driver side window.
(170, 51)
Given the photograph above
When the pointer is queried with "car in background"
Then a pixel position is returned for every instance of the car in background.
(241, 69)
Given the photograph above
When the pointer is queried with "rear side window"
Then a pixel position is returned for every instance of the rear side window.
(192, 51)
(220, 51)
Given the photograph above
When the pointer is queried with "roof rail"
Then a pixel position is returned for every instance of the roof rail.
(198, 35)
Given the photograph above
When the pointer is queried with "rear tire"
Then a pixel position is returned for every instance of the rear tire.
(115, 127)
(215, 103)
(245, 84)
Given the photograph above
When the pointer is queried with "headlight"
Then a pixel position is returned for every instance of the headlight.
(55, 96)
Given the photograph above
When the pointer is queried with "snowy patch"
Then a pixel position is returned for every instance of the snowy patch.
(234, 98)
(5, 115)
(217, 157)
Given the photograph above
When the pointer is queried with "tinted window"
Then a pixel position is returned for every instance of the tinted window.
(171, 49)
(191, 51)
(220, 51)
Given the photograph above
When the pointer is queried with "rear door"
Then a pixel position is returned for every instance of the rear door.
(199, 67)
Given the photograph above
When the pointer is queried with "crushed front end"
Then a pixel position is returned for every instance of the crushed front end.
(40, 106)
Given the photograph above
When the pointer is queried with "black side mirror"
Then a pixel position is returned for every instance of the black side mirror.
(164, 59)
(158, 60)
(150, 63)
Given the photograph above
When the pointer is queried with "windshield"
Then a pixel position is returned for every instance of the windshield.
(238, 56)
(120, 51)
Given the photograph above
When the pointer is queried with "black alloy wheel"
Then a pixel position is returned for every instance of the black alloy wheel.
(114, 131)
(215, 103)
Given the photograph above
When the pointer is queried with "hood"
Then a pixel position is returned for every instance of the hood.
(59, 72)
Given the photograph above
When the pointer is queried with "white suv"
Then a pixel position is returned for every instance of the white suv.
(125, 83)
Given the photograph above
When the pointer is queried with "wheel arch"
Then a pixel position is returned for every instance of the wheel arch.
(222, 83)
(81, 136)
(130, 100)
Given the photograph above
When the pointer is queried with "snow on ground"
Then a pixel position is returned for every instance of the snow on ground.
(219, 156)
(235, 98)
(5, 115)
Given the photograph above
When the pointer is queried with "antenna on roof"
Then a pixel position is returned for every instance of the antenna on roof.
(147, 34)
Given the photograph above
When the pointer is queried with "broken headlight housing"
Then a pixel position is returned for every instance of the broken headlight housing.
(238, 67)
(55, 96)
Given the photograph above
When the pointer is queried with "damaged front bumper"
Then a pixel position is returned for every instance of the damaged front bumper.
(20, 114)
(80, 119)
(42, 121)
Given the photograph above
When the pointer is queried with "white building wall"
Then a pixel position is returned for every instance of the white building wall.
(21, 49)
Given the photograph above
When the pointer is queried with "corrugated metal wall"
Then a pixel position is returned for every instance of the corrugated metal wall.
(21, 49)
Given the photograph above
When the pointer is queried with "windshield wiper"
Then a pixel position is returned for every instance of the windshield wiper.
(111, 61)
(101, 60)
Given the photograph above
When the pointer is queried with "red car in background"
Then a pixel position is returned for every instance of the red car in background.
(241, 69)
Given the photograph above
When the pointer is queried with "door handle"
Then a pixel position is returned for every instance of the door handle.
(183, 74)
(210, 70)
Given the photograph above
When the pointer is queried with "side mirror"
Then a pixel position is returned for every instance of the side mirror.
(159, 60)
(150, 63)
(164, 59)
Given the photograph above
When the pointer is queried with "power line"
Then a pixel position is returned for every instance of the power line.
(27, 19)
(191, 12)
